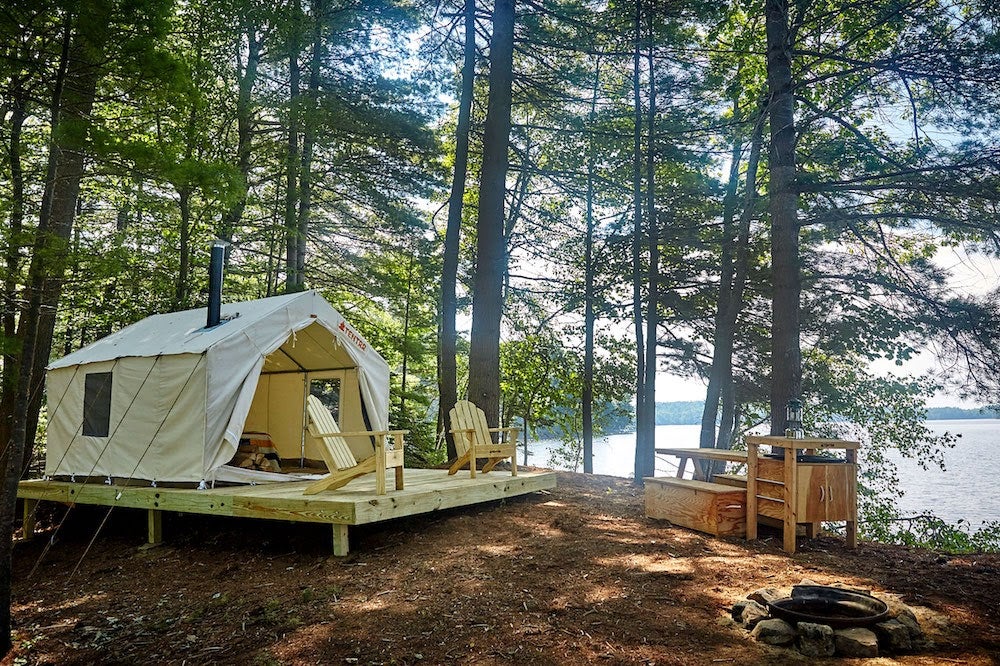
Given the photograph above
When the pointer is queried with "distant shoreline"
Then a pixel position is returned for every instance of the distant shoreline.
(689, 413)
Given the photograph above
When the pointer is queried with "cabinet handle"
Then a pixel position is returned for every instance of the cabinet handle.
(829, 492)
(822, 493)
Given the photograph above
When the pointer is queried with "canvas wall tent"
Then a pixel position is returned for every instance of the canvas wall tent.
(181, 395)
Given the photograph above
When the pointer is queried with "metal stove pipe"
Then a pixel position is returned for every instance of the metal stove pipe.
(215, 283)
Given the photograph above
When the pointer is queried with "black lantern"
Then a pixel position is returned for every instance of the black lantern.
(793, 419)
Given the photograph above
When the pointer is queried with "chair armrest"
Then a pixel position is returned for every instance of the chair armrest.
(511, 433)
(364, 433)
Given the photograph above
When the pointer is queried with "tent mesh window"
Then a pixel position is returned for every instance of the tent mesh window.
(97, 404)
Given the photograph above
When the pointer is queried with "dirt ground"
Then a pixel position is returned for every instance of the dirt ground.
(575, 576)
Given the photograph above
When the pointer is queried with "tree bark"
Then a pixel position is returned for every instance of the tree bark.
(637, 276)
(786, 354)
(491, 250)
(646, 454)
(735, 263)
(8, 403)
(244, 130)
(12, 258)
(317, 8)
(405, 343)
(184, 251)
(588, 291)
(293, 281)
(448, 387)
(48, 263)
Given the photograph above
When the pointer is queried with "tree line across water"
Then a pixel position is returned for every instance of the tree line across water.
(755, 192)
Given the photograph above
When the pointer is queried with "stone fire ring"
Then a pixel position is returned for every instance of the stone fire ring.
(832, 606)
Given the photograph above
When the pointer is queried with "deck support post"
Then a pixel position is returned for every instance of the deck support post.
(341, 545)
(154, 523)
(28, 526)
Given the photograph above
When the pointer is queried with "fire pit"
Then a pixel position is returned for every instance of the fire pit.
(832, 606)
(822, 621)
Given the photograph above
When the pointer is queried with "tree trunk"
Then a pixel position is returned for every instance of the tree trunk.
(48, 264)
(727, 419)
(185, 191)
(12, 258)
(317, 8)
(588, 288)
(8, 402)
(293, 280)
(645, 455)
(448, 387)
(786, 354)
(525, 424)
(491, 251)
(640, 347)
(184, 266)
(735, 263)
(244, 128)
(405, 344)
(720, 358)
(730, 411)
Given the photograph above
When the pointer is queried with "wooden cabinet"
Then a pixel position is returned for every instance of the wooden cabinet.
(801, 492)
(826, 492)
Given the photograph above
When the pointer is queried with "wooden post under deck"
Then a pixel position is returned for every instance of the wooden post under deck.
(28, 526)
(341, 544)
(154, 525)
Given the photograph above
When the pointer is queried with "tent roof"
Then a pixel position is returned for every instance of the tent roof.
(185, 333)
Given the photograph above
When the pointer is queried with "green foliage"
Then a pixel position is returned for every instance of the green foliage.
(542, 387)
(929, 531)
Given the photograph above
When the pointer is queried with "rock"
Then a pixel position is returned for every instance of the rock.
(805, 581)
(727, 622)
(752, 613)
(901, 612)
(842, 586)
(855, 642)
(815, 640)
(764, 595)
(737, 610)
(773, 632)
(894, 636)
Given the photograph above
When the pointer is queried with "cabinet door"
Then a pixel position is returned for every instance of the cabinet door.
(840, 489)
(812, 505)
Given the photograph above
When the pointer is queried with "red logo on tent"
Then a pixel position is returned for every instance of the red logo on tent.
(353, 337)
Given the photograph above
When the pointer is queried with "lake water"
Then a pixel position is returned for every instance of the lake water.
(967, 489)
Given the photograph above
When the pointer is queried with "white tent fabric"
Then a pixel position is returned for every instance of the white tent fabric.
(181, 393)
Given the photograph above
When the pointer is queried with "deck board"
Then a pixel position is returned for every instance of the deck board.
(426, 490)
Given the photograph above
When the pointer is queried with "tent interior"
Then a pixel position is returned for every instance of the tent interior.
(312, 362)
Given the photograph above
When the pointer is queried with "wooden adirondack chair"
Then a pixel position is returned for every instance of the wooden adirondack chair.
(473, 440)
(339, 459)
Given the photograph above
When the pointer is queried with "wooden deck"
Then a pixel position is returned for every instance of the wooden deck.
(426, 490)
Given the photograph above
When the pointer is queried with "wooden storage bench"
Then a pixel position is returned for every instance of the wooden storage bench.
(707, 507)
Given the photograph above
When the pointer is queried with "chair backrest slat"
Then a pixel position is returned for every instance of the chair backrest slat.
(464, 416)
(336, 453)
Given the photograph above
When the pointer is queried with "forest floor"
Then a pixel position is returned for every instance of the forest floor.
(577, 575)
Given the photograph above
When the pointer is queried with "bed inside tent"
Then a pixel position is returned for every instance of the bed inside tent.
(172, 401)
